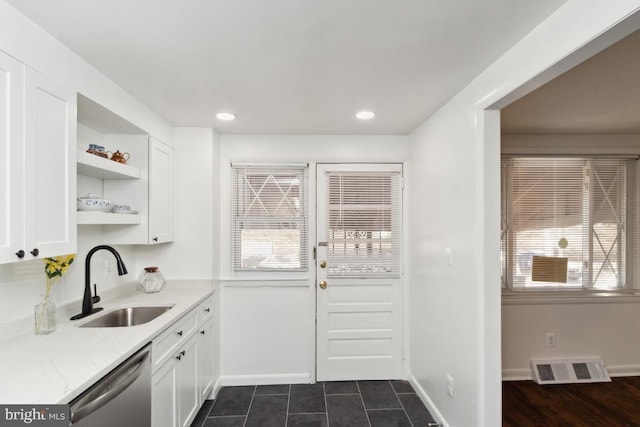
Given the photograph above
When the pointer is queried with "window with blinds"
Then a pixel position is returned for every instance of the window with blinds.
(364, 224)
(567, 223)
(269, 218)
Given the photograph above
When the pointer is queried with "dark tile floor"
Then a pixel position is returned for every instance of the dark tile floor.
(334, 404)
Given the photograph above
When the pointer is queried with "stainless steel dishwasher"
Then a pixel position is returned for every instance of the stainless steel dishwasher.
(120, 398)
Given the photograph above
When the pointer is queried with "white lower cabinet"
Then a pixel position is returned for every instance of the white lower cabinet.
(188, 395)
(205, 360)
(164, 395)
(183, 370)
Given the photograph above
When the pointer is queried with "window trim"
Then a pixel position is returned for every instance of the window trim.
(566, 296)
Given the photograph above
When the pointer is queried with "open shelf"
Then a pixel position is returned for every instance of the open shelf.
(107, 218)
(99, 167)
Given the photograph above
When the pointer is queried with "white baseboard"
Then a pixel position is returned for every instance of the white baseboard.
(215, 389)
(235, 380)
(614, 371)
(624, 370)
(516, 374)
(427, 401)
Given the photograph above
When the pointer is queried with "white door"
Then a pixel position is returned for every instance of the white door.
(359, 272)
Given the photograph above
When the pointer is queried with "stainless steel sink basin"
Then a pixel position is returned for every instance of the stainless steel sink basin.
(127, 316)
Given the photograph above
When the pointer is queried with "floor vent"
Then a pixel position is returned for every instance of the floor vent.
(563, 371)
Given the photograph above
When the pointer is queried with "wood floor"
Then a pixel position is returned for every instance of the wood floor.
(525, 403)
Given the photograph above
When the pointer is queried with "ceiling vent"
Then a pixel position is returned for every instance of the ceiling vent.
(564, 371)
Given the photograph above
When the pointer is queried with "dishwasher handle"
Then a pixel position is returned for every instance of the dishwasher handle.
(109, 387)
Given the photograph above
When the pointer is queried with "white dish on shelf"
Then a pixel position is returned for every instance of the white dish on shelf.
(120, 208)
(126, 212)
(92, 203)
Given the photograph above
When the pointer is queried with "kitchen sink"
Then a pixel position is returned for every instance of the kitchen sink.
(127, 316)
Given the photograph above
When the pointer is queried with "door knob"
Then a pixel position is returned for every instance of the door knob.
(323, 264)
(323, 284)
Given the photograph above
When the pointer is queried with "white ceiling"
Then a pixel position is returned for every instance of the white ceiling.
(291, 66)
(599, 96)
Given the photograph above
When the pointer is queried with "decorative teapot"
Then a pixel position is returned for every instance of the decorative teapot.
(120, 157)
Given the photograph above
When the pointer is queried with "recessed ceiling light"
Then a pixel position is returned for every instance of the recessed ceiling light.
(365, 115)
(226, 116)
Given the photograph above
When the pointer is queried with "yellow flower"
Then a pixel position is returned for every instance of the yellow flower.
(55, 267)
(58, 265)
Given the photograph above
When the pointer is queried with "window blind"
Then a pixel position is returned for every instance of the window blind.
(364, 215)
(269, 218)
(576, 210)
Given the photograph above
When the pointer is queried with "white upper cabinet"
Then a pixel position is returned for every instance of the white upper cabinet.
(11, 157)
(151, 195)
(145, 183)
(161, 198)
(50, 142)
(38, 183)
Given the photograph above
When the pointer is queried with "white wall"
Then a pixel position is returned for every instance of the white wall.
(455, 311)
(268, 328)
(583, 329)
(570, 144)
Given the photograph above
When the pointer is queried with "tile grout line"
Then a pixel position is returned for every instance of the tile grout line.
(401, 405)
(340, 394)
(286, 415)
(246, 418)
(326, 406)
(204, 420)
(363, 404)
(307, 413)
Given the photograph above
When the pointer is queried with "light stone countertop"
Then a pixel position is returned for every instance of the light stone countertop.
(56, 368)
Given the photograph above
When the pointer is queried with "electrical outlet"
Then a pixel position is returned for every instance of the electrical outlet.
(550, 339)
(107, 267)
(450, 386)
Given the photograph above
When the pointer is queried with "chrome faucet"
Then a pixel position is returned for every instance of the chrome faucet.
(88, 300)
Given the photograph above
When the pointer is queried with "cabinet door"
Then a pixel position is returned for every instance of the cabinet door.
(188, 402)
(11, 158)
(164, 395)
(161, 185)
(50, 178)
(205, 360)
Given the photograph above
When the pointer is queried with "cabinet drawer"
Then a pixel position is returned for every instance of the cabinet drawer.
(168, 342)
(205, 310)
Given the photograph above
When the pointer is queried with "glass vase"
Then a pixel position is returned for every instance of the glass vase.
(45, 317)
(151, 280)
